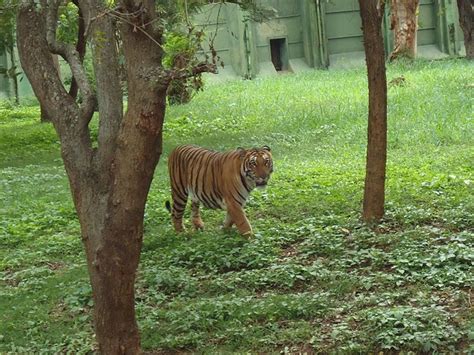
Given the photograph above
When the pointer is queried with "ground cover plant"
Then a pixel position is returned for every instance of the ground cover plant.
(314, 278)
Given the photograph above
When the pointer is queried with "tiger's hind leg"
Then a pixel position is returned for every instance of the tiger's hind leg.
(196, 216)
(228, 222)
(177, 212)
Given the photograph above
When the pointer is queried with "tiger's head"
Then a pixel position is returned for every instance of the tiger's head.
(257, 165)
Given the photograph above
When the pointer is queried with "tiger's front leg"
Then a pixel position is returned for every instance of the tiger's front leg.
(196, 216)
(235, 214)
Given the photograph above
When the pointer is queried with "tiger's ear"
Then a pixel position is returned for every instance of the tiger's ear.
(267, 148)
(242, 152)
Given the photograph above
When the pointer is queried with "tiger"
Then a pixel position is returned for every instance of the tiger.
(218, 180)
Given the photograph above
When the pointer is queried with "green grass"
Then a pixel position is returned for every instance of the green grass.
(314, 278)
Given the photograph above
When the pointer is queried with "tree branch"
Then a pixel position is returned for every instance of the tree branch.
(109, 90)
(70, 54)
(80, 46)
(181, 74)
(37, 62)
(162, 77)
(121, 17)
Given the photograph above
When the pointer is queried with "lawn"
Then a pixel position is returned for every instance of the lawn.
(314, 278)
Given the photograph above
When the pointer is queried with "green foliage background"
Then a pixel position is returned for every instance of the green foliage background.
(314, 278)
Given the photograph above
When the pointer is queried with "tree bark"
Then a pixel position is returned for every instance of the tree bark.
(374, 193)
(404, 24)
(43, 115)
(466, 20)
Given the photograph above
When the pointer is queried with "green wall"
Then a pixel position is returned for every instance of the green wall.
(313, 33)
(427, 23)
(317, 32)
(246, 43)
(286, 25)
(343, 27)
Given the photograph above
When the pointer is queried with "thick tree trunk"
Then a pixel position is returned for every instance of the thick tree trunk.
(374, 193)
(112, 251)
(109, 184)
(466, 20)
(113, 263)
(404, 24)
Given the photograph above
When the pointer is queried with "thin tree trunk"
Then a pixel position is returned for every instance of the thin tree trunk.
(404, 24)
(466, 20)
(374, 193)
(14, 77)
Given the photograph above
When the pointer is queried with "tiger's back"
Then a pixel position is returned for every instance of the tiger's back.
(197, 172)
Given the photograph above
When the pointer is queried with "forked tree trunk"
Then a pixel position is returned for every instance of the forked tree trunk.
(466, 20)
(404, 24)
(371, 12)
(109, 184)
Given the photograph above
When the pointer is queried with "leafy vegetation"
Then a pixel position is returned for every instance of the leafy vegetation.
(314, 278)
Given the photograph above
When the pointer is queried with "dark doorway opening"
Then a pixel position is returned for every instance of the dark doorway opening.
(278, 51)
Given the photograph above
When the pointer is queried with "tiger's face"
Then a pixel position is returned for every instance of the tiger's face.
(257, 166)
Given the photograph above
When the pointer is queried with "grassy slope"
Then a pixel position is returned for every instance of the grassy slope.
(314, 277)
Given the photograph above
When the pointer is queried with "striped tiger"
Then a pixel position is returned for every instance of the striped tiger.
(218, 180)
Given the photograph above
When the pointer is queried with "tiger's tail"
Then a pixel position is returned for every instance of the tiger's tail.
(168, 206)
